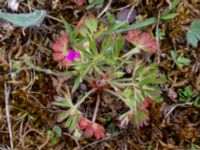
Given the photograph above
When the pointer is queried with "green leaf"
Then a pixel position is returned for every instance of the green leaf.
(92, 45)
(76, 84)
(71, 122)
(63, 102)
(169, 16)
(127, 93)
(139, 118)
(91, 23)
(63, 115)
(171, 7)
(181, 61)
(57, 130)
(53, 140)
(25, 19)
(197, 102)
(116, 26)
(119, 74)
(137, 25)
(193, 34)
(71, 33)
(174, 55)
(106, 44)
(118, 46)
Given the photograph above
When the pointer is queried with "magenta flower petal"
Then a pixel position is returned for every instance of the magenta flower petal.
(72, 55)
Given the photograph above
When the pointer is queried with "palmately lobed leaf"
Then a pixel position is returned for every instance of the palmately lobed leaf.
(193, 34)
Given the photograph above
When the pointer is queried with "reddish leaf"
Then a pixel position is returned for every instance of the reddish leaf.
(62, 53)
(62, 42)
(142, 40)
(92, 128)
(58, 56)
(145, 103)
(80, 2)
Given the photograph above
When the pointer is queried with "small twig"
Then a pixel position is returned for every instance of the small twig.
(7, 94)
(27, 132)
(77, 143)
(157, 37)
(121, 8)
(175, 106)
(96, 108)
(104, 139)
(105, 9)
(129, 13)
(44, 144)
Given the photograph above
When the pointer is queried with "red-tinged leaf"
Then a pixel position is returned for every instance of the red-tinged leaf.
(58, 56)
(84, 123)
(92, 128)
(140, 118)
(99, 132)
(145, 103)
(79, 2)
(64, 63)
(62, 42)
(142, 40)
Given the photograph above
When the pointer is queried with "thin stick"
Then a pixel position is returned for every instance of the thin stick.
(96, 109)
(105, 9)
(7, 94)
(177, 105)
(129, 14)
(107, 138)
(157, 38)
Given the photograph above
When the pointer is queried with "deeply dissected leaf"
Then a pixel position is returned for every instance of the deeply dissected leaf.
(140, 117)
(193, 34)
(25, 19)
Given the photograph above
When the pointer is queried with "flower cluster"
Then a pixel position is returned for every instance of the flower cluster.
(62, 53)
(142, 40)
(92, 128)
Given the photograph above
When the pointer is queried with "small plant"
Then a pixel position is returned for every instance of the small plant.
(187, 95)
(94, 58)
(179, 60)
(54, 134)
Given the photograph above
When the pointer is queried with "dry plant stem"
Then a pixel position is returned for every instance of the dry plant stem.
(7, 94)
(96, 108)
(44, 144)
(72, 137)
(83, 99)
(96, 142)
(178, 105)
(129, 14)
(105, 9)
(27, 132)
(157, 38)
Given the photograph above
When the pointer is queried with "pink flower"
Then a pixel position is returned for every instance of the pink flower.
(142, 40)
(62, 53)
(92, 128)
(72, 55)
